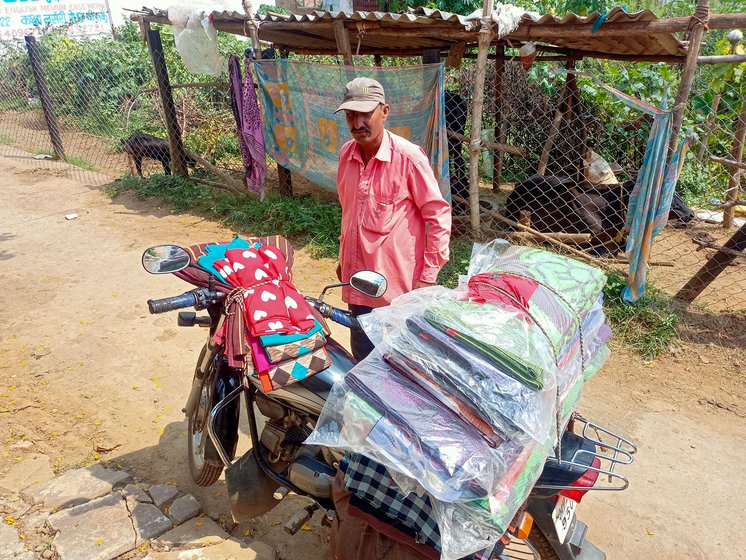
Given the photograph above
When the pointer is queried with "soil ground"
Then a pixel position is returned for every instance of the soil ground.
(84, 369)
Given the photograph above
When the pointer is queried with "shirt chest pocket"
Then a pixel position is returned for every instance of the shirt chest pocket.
(378, 214)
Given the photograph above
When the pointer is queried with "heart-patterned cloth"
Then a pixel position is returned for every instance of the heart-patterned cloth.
(271, 303)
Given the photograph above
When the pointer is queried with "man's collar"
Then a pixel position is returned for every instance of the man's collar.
(384, 150)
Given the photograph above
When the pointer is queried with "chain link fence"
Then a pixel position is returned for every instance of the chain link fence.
(560, 154)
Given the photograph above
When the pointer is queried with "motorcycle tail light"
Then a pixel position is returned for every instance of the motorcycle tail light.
(524, 527)
(588, 480)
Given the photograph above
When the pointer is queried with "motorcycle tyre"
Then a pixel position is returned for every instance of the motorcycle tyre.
(212, 467)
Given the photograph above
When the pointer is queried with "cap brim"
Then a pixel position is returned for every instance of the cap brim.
(359, 106)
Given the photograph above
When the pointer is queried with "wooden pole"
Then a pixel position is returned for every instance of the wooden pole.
(734, 177)
(343, 41)
(285, 180)
(475, 145)
(563, 108)
(714, 266)
(178, 158)
(44, 97)
(251, 26)
(500, 121)
(699, 21)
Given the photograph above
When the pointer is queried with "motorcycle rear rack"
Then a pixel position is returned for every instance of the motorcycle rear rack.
(616, 451)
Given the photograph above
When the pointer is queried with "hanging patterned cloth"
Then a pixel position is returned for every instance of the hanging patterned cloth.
(249, 125)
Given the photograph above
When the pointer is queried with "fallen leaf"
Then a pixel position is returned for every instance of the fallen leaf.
(198, 524)
(650, 533)
(96, 456)
(306, 527)
(160, 431)
(136, 387)
(143, 547)
(99, 542)
(10, 520)
(247, 533)
(22, 536)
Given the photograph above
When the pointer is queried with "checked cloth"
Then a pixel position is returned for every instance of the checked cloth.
(372, 483)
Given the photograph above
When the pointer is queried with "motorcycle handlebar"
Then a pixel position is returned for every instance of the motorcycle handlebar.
(188, 299)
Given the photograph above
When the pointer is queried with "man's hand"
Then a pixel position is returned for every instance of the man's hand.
(339, 271)
(421, 284)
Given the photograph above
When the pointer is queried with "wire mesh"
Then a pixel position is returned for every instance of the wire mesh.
(560, 155)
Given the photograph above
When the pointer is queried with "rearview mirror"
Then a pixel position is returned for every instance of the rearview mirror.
(370, 283)
(165, 259)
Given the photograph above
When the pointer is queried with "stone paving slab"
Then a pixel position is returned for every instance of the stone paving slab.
(163, 494)
(200, 531)
(148, 521)
(30, 471)
(136, 493)
(231, 549)
(75, 487)
(11, 546)
(98, 530)
(184, 508)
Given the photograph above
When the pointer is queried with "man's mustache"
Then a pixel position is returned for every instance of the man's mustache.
(361, 129)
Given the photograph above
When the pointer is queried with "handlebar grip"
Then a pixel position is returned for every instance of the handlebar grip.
(343, 318)
(169, 304)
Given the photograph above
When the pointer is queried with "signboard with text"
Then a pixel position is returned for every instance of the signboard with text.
(28, 17)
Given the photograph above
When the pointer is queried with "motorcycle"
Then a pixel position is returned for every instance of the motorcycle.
(279, 463)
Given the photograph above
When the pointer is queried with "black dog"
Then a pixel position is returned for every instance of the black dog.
(140, 145)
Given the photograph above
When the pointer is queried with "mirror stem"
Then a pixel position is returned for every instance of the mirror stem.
(329, 287)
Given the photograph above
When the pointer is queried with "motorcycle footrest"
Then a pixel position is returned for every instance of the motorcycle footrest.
(190, 319)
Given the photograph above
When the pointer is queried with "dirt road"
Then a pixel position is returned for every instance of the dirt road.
(84, 367)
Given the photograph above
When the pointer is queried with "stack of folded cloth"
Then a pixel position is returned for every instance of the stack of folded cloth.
(461, 396)
(271, 330)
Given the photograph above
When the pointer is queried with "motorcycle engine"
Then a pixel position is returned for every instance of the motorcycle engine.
(283, 438)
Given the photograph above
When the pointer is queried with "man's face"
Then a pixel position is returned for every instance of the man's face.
(367, 128)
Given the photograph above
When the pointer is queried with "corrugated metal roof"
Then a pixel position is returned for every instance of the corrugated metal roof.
(413, 32)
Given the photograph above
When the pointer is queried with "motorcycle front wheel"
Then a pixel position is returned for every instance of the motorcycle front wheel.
(202, 454)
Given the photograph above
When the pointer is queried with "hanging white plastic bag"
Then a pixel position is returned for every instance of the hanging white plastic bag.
(196, 38)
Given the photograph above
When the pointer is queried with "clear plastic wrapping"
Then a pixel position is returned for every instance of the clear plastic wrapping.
(466, 389)
(378, 413)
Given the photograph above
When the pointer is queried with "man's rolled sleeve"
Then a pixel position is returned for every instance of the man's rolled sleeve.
(437, 215)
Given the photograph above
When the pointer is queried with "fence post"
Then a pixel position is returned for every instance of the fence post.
(178, 158)
(500, 122)
(698, 21)
(734, 177)
(475, 144)
(714, 266)
(44, 98)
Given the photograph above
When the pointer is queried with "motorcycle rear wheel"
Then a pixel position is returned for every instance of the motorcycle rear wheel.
(201, 452)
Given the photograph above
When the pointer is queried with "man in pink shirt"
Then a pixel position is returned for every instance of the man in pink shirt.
(394, 218)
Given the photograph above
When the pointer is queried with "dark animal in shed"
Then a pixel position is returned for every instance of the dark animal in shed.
(140, 145)
(456, 111)
(560, 204)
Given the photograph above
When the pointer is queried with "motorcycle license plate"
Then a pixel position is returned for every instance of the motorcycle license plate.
(563, 514)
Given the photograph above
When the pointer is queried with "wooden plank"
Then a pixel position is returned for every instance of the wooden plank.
(507, 148)
(713, 267)
(44, 98)
(178, 158)
(556, 122)
(343, 42)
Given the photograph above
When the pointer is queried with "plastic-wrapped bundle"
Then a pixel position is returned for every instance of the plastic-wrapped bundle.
(376, 412)
(556, 292)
